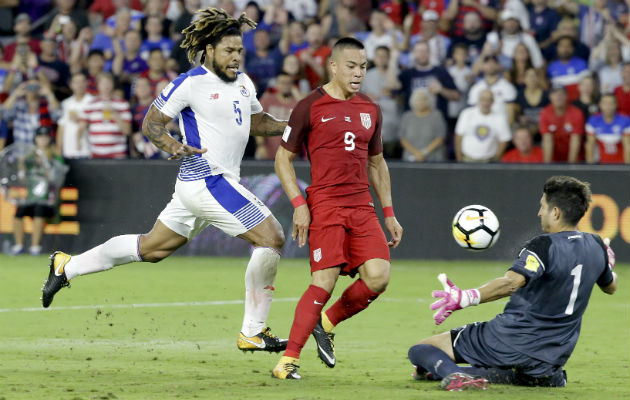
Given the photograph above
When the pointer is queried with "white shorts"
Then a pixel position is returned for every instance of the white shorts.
(215, 200)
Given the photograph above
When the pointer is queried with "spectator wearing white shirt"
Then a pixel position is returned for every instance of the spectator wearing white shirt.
(383, 33)
(438, 44)
(503, 91)
(68, 124)
(481, 135)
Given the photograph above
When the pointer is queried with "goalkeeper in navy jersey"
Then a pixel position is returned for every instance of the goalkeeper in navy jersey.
(549, 286)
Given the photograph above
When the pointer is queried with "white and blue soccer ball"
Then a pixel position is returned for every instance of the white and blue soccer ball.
(476, 228)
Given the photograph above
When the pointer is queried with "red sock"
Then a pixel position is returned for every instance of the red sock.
(356, 298)
(307, 313)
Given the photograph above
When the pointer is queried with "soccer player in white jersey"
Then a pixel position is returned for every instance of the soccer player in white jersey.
(218, 111)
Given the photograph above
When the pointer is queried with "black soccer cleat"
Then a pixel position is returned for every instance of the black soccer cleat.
(264, 341)
(325, 345)
(56, 277)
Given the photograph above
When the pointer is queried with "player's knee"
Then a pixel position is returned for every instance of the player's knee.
(377, 282)
(155, 256)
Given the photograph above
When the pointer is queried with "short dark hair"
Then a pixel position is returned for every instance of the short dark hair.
(460, 45)
(570, 195)
(384, 48)
(347, 43)
(96, 52)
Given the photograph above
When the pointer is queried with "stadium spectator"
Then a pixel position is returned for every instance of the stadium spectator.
(314, 56)
(343, 21)
(521, 62)
(593, 19)
(383, 33)
(68, 125)
(279, 101)
(302, 10)
(588, 99)
(379, 84)
(143, 97)
(567, 70)
(188, 9)
(423, 129)
(101, 10)
(265, 62)
(474, 37)
(607, 59)
(104, 39)
(64, 38)
(57, 72)
(95, 66)
(530, 100)
(423, 74)
(344, 235)
(36, 168)
(457, 10)
(562, 127)
(481, 134)
(157, 71)
(611, 132)
(463, 78)
(80, 50)
(274, 19)
(107, 121)
(293, 38)
(30, 106)
(511, 34)
(567, 27)
(622, 92)
(22, 30)
(397, 11)
(291, 65)
(543, 21)
(504, 93)
(530, 342)
(524, 150)
(64, 12)
(254, 13)
(24, 65)
(438, 43)
(128, 64)
(154, 38)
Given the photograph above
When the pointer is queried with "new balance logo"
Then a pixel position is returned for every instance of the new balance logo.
(327, 119)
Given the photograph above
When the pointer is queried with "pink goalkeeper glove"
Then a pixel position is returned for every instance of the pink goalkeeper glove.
(452, 299)
(611, 254)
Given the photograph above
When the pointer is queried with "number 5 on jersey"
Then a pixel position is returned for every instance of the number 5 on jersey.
(237, 111)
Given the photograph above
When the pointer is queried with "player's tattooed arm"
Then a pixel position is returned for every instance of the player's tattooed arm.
(154, 128)
(265, 124)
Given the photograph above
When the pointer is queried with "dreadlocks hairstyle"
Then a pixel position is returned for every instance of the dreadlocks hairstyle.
(212, 25)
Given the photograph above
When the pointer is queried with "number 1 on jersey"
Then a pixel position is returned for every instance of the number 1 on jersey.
(237, 111)
(577, 277)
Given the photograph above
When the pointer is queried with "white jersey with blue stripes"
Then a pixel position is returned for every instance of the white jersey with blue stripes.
(215, 115)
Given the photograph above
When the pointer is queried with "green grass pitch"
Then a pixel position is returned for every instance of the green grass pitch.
(168, 331)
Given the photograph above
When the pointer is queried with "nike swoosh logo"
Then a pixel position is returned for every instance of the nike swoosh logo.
(317, 302)
(327, 119)
(330, 360)
(59, 269)
(259, 345)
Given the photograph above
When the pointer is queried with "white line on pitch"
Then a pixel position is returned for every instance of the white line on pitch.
(174, 304)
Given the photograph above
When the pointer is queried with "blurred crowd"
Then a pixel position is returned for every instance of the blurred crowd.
(457, 80)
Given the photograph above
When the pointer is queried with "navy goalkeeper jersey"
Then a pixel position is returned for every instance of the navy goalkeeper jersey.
(543, 318)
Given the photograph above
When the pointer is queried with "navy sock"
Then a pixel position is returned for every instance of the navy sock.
(433, 360)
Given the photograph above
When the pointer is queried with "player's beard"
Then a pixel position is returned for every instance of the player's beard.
(221, 73)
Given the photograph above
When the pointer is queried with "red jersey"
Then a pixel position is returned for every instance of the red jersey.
(514, 156)
(339, 135)
(562, 127)
(320, 56)
(623, 101)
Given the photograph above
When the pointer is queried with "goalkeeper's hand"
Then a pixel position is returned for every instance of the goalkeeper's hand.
(452, 299)
(611, 254)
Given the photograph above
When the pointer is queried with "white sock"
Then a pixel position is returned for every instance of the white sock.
(259, 277)
(118, 250)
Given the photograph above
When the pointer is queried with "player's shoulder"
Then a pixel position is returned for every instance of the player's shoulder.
(311, 98)
(540, 246)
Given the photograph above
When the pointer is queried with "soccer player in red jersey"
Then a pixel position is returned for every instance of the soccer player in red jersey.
(341, 130)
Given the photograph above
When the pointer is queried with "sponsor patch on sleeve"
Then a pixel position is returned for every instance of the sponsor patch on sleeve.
(287, 132)
(532, 263)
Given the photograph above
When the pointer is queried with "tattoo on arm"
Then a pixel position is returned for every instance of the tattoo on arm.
(154, 128)
(265, 124)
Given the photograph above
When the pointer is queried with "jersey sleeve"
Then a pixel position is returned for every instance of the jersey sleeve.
(298, 127)
(376, 143)
(460, 126)
(174, 97)
(533, 259)
(606, 277)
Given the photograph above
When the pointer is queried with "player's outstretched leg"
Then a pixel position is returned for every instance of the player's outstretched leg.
(118, 250)
(259, 289)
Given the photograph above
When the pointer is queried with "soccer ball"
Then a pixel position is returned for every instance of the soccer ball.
(476, 228)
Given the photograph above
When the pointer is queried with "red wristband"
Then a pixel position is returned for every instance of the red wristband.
(298, 201)
(388, 211)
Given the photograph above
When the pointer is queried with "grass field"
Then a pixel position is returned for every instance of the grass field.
(168, 331)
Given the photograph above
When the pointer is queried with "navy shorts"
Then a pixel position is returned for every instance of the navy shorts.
(35, 210)
(479, 347)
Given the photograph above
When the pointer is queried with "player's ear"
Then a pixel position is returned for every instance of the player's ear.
(333, 65)
(209, 50)
(557, 213)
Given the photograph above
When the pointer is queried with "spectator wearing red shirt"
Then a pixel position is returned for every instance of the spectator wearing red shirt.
(562, 129)
(107, 8)
(22, 29)
(314, 56)
(524, 150)
(622, 93)
(95, 66)
(610, 133)
(457, 9)
(157, 71)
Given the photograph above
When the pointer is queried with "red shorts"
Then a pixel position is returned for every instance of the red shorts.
(346, 237)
